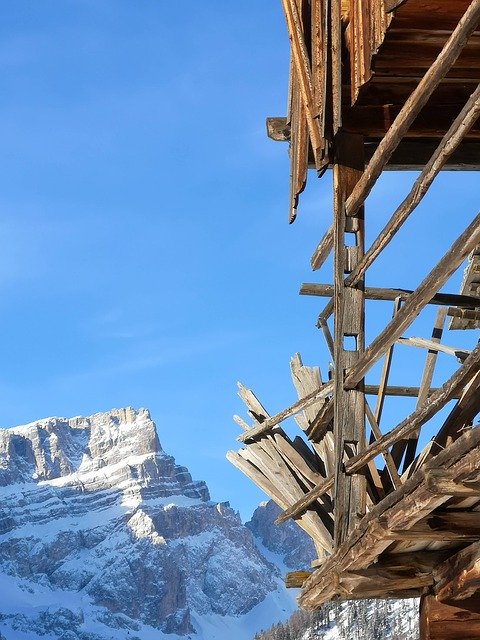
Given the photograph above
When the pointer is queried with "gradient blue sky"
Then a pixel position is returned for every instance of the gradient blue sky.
(146, 258)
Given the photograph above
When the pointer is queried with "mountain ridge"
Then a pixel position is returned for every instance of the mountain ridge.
(101, 528)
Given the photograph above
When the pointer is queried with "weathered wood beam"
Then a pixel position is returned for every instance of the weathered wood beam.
(412, 107)
(295, 579)
(421, 415)
(381, 293)
(278, 129)
(408, 392)
(303, 504)
(389, 462)
(385, 371)
(465, 243)
(441, 482)
(323, 249)
(300, 405)
(409, 447)
(424, 343)
(458, 578)
(349, 327)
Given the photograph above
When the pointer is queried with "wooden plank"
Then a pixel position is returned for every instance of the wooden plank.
(390, 464)
(414, 104)
(407, 392)
(323, 249)
(336, 64)
(431, 345)
(304, 503)
(300, 405)
(381, 293)
(465, 243)
(443, 483)
(431, 358)
(385, 372)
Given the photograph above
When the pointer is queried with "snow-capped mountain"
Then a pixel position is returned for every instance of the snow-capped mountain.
(286, 545)
(103, 536)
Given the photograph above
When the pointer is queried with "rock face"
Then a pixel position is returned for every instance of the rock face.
(103, 535)
(294, 547)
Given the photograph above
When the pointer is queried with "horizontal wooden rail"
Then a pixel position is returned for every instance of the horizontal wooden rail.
(380, 293)
(414, 104)
(460, 249)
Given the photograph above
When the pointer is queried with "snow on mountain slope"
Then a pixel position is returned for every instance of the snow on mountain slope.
(103, 535)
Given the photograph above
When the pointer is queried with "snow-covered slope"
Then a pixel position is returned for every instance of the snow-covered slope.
(103, 536)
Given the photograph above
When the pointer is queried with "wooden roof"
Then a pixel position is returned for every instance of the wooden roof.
(386, 48)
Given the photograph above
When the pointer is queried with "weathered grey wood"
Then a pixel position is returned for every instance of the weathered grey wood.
(323, 325)
(391, 390)
(304, 503)
(431, 358)
(302, 404)
(306, 380)
(349, 322)
(385, 372)
(390, 464)
(379, 293)
(409, 447)
(278, 129)
(323, 249)
(412, 107)
(431, 345)
(461, 125)
(465, 243)
(420, 416)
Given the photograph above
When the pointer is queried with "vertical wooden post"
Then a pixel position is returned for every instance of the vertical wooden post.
(349, 306)
(441, 621)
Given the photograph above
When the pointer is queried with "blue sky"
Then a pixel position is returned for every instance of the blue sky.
(146, 257)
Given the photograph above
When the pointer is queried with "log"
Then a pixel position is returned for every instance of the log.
(379, 293)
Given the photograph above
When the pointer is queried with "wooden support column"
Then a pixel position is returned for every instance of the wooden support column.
(349, 416)
(440, 621)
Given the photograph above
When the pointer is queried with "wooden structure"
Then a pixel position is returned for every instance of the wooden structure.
(378, 85)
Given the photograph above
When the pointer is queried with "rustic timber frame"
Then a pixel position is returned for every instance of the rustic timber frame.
(381, 85)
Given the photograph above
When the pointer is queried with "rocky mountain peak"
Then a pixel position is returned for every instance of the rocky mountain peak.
(108, 537)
